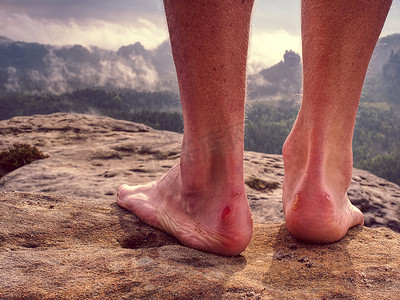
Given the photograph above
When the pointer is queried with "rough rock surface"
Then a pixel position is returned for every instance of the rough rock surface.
(61, 247)
(91, 156)
(79, 244)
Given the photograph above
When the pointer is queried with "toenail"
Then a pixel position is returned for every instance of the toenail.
(226, 212)
(296, 202)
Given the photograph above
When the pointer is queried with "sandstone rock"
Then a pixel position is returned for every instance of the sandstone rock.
(63, 247)
(90, 156)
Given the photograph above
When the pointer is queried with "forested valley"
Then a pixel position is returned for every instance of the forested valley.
(376, 143)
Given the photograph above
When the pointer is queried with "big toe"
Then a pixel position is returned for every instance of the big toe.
(125, 193)
(356, 217)
(125, 190)
(121, 192)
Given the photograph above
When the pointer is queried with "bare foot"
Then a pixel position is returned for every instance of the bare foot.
(215, 219)
(317, 176)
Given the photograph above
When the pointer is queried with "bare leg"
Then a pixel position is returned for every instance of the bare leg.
(202, 200)
(338, 39)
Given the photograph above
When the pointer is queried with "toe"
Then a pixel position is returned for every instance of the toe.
(357, 217)
(120, 192)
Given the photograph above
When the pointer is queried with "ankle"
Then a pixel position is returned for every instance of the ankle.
(211, 161)
(312, 159)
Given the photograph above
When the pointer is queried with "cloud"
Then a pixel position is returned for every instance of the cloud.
(267, 48)
(392, 24)
(135, 74)
(64, 69)
(114, 11)
(12, 83)
(104, 34)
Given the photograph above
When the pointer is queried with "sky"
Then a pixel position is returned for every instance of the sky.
(110, 24)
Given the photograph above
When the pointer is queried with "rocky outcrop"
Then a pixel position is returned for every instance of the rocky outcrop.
(62, 247)
(62, 236)
(90, 156)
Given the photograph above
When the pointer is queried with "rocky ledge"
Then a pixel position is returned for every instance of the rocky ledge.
(90, 156)
(62, 247)
(62, 235)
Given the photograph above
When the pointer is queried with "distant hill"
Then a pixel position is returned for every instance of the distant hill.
(385, 47)
(391, 70)
(283, 80)
(38, 68)
(33, 67)
(4, 40)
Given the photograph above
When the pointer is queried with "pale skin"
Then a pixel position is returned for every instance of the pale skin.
(202, 200)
